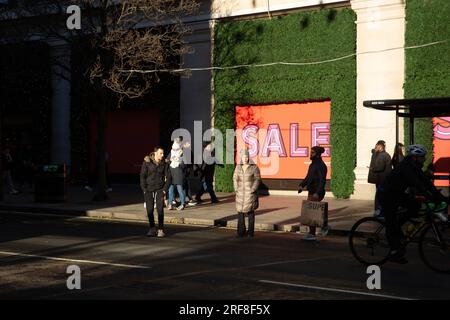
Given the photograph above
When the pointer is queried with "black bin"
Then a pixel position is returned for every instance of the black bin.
(51, 183)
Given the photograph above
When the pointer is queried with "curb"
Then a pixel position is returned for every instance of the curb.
(170, 219)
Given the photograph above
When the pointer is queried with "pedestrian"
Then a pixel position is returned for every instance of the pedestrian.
(399, 154)
(177, 172)
(8, 165)
(380, 168)
(192, 181)
(314, 182)
(246, 180)
(207, 176)
(155, 180)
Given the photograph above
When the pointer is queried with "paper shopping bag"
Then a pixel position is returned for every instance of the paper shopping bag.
(314, 214)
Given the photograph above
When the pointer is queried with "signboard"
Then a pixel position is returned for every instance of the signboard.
(280, 136)
(442, 151)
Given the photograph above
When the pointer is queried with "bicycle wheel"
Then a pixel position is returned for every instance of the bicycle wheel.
(434, 247)
(368, 241)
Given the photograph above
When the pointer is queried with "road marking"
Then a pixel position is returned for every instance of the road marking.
(334, 290)
(18, 254)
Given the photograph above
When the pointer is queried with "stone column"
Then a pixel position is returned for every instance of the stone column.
(60, 136)
(380, 75)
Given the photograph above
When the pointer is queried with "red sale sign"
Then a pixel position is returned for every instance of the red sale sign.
(280, 137)
(442, 150)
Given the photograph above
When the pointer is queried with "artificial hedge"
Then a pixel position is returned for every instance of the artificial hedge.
(427, 68)
(301, 37)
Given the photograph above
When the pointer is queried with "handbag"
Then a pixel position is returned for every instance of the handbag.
(314, 214)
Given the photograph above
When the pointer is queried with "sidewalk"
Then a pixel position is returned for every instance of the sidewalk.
(275, 213)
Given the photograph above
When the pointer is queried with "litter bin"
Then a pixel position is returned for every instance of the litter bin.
(51, 183)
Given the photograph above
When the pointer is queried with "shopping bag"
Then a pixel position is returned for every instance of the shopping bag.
(314, 214)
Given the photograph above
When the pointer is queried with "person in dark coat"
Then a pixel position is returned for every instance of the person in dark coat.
(207, 171)
(399, 155)
(399, 189)
(155, 180)
(315, 184)
(380, 168)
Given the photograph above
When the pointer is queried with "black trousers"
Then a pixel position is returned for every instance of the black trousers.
(150, 199)
(241, 224)
(394, 221)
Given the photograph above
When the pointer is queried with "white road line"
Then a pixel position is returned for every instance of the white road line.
(334, 290)
(18, 254)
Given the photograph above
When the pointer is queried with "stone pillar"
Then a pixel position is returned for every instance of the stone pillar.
(195, 90)
(380, 75)
(60, 136)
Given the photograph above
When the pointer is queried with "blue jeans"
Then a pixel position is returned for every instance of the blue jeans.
(208, 187)
(180, 194)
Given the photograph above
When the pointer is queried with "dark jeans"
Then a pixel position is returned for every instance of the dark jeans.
(149, 203)
(394, 221)
(241, 224)
(377, 204)
(208, 187)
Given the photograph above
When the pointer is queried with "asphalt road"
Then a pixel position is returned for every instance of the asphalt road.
(117, 261)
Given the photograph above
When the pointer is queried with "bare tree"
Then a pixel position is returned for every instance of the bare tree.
(123, 35)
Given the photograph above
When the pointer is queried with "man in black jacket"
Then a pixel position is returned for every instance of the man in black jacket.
(155, 182)
(408, 175)
(315, 184)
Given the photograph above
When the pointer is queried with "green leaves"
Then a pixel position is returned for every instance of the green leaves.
(301, 37)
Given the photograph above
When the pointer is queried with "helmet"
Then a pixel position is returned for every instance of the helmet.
(416, 150)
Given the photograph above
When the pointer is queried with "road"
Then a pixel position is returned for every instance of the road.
(117, 261)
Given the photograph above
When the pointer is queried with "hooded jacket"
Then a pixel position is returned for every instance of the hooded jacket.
(316, 178)
(246, 186)
(154, 177)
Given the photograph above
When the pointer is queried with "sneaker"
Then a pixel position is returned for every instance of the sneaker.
(325, 230)
(397, 257)
(215, 201)
(151, 232)
(180, 208)
(192, 203)
(174, 203)
(88, 188)
(309, 237)
(161, 234)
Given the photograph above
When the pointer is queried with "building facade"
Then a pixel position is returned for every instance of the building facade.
(341, 53)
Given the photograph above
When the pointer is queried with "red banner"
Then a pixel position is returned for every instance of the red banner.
(280, 136)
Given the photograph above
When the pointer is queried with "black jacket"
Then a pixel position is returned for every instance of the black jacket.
(316, 178)
(407, 175)
(155, 177)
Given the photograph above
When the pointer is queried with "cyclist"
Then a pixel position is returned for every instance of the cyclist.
(399, 189)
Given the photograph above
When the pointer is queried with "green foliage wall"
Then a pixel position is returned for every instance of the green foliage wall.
(427, 68)
(301, 37)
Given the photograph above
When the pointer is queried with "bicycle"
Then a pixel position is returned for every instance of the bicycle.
(369, 245)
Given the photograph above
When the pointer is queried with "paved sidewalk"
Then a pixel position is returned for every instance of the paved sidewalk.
(276, 212)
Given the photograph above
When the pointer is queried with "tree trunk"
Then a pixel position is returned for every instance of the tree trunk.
(101, 194)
